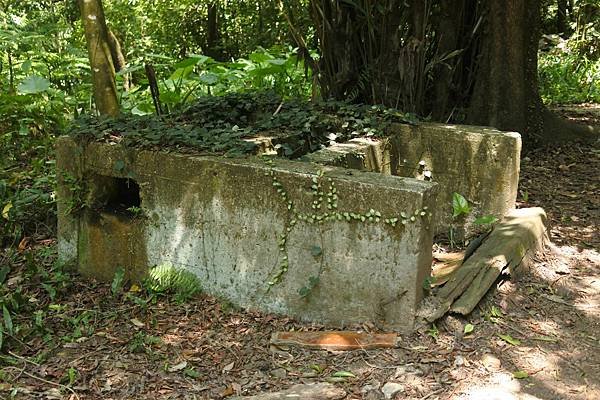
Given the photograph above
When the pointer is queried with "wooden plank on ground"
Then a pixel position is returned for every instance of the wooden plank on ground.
(335, 340)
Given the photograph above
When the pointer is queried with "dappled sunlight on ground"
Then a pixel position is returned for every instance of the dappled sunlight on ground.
(536, 337)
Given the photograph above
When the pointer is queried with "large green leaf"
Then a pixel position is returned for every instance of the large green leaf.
(209, 78)
(34, 84)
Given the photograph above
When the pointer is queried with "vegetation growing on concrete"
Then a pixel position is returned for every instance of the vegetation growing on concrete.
(219, 125)
(325, 209)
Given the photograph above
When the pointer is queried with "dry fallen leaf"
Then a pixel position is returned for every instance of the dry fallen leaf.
(228, 391)
(228, 367)
(178, 367)
(137, 322)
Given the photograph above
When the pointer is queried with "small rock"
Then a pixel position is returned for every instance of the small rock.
(373, 385)
(279, 373)
(373, 395)
(458, 361)
(491, 362)
(401, 372)
(390, 389)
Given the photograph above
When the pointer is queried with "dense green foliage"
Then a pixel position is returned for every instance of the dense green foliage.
(569, 59)
(45, 81)
(219, 124)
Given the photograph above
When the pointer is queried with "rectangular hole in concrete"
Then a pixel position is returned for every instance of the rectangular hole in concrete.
(115, 195)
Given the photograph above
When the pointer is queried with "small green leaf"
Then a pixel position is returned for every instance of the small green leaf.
(119, 165)
(343, 374)
(509, 339)
(460, 205)
(520, 374)
(317, 368)
(468, 329)
(486, 219)
(117, 282)
(8, 323)
(3, 273)
(6, 210)
(192, 373)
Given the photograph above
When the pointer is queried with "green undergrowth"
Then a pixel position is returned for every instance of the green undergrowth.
(220, 124)
(45, 304)
(569, 69)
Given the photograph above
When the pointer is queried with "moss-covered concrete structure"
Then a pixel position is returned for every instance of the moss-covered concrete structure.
(343, 236)
(319, 243)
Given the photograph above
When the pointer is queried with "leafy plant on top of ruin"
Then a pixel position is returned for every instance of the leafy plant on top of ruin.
(219, 125)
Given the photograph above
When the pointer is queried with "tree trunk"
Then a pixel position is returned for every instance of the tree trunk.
(506, 89)
(450, 24)
(562, 26)
(506, 94)
(103, 70)
(212, 31)
(118, 58)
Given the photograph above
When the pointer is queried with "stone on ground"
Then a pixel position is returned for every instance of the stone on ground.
(313, 391)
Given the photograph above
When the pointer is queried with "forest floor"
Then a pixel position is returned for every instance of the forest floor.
(97, 345)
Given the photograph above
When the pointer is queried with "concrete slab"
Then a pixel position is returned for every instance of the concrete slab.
(319, 243)
(482, 164)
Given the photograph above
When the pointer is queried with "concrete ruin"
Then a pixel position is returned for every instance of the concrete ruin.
(342, 237)
(482, 164)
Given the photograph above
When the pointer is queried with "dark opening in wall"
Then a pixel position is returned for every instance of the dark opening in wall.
(110, 194)
(126, 195)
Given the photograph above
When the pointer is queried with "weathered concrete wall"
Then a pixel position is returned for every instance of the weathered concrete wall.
(482, 164)
(222, 219)
(362, 154)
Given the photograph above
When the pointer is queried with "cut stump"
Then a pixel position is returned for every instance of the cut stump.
(507, 249)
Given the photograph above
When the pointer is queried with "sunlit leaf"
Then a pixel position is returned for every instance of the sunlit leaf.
(468, 329)
(487, 219)
(34, 84)
(343, 374)
(520, 374)
(509, 339)
(460, 205)
(6, 210)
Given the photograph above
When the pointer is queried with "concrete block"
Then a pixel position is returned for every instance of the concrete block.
(223, 219)
(482, 164)
(363, 154)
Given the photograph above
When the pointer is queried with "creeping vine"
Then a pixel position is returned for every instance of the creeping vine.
(325, 209)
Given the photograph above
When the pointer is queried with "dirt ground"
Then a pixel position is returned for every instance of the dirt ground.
(205, 349)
